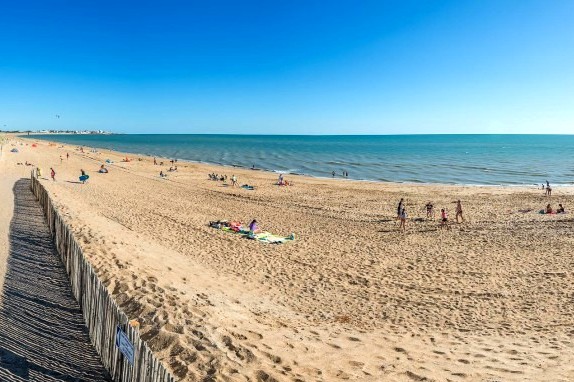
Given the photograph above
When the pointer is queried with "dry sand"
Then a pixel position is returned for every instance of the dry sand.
(351, 299)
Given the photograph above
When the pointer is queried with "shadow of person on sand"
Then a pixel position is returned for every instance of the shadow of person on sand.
(42, 332)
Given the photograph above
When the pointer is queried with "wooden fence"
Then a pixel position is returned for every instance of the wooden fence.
(101, 314)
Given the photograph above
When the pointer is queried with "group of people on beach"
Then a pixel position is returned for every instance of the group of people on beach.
(550, 210)
(281, 181)
(223, 178)
(402, 214)
(344, 173)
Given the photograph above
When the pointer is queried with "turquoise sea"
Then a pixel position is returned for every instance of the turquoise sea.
(451, 159)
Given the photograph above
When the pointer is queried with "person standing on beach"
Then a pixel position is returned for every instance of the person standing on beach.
(52, 174)
(333, 173)
(444, 219)
(155, 161)
(548, 189)
(430, 210)
(61, 159)
(233, 180)
(400, 208)
(403, 216)
(459, 212)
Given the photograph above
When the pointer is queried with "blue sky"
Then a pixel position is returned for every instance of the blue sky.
(288, 67)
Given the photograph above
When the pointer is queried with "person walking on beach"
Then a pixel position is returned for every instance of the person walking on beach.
(233, 180)
(61, 159)
(548, 190)
(459, 212)
(52, 174)
(155, 161)
(403, 216)
(67, 156)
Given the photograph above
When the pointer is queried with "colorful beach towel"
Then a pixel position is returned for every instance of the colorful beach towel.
(239, 229)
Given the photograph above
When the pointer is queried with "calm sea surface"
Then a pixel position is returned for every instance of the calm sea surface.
(454, 159)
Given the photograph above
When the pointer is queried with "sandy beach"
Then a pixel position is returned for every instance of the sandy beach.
(351, 298)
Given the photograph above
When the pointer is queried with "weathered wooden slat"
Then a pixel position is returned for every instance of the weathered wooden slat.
(100, 311)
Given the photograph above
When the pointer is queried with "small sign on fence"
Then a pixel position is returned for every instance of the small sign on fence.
(124, 344)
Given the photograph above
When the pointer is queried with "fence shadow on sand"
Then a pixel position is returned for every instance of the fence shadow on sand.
(43, 336)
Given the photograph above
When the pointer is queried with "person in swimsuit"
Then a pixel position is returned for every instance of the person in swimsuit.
(548, 208)
(444, 219)
(459, 211)
(400, 207)
(560, 209)
(52, 174)
(403, 216)
(253, 228)
(430, 210)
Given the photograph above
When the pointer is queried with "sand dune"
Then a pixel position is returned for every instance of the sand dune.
(352, 298)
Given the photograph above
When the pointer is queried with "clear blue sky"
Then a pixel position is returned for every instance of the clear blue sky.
(295, 67)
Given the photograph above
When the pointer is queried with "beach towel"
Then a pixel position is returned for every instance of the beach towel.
(543, 212)
(248, 187)
(263, 237)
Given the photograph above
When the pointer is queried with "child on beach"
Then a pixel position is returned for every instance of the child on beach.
(444, 219)
(52, 174)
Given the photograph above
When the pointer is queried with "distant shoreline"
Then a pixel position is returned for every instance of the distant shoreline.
(287, 160)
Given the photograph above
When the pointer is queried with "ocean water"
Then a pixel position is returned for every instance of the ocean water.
(447, 159)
